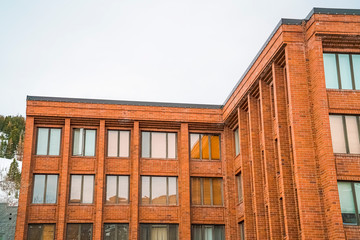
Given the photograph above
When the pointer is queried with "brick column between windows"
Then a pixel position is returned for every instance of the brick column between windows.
(134, 183)
(24, 198)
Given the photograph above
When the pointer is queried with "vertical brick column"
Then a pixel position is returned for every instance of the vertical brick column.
(269, 161)
(283, 149)
(184, 183)
(306, 177)
(24, 198)
(257, 174)
(100, 182)
(63, 182)
(134, 182)
(249, 221)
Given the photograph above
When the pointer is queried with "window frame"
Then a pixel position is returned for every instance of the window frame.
(150, 226)
(200, 146)
(239, 186)
(118, 138)
(82, 189)
(117, 189)
(41, 224)
(242, 230)
(45, 187)
(211, 192)
(167, 145)
(204, 226)
(80, 225)
(116, 228)
(357, 211)
(167, 191)
(83, 144)
(48, 141)
(237, 145)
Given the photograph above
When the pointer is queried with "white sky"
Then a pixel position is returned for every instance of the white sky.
(189, 51)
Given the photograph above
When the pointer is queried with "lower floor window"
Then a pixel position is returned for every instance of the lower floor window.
(159, 232)
(41, 231)
(242, 230)
(349, 194)
(79, 231)
(207, 232)
(116, 231)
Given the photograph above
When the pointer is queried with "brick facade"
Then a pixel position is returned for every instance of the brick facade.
(281, 107)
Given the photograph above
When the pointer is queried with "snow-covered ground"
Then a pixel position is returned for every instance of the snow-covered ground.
(4, 168)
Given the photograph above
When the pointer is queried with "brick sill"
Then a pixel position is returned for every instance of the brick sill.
(206, 206)
(205, 160)
(161, 159)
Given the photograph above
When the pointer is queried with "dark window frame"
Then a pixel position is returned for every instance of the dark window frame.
(117, 189)
(167, 145)
(211, 192)
(48, 141)
(203, 227)
(150, 226)
(117, 225)
(167, 191)
(357, 211)
(200, 145)
(41, 224)
(239, 184)
(242, 230)
(82, 189)
(45, 187)
(118, 145)
(83, 144)
(237, 131)
(80, 225)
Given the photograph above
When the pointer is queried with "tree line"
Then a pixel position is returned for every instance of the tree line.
(12, 129)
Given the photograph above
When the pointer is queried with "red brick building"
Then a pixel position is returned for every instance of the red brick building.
(279, 160)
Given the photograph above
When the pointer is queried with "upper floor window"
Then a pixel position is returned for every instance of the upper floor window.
(159, 232)
(84, 143)
(207, 232)
(82, 189)
(206, 191)
(118, 143)
(342, 71)
(116, 231)
(117, 189)
(45, 188)
(158, 145)
(349, 193)
(48, 141)
(237, 142)
(81, 231)
(239, 187)
(159, 190)
(345, 133)
(41, 231)
(205, 146)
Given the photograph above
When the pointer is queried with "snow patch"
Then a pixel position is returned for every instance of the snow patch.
(9, 196)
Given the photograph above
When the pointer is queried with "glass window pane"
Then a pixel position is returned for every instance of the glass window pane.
(112, 143)
(123, 232)
(337, 134)
(237, 143)
(219, 232)
(145, 144)
(55, 139)
(352, 134)
(90, 142)
(39, 187)
(145, 190)
(144, 232)
(205, 146)
(357, 194)
(171, 145)
(75, 191)
(124, 144)
(239, 184)
(196, 232)
(217, 193)
(173, 232)
(51, 188)
(195, 146)
(72, 231)
(208, 232)
(242, 231)
(111, 189)
(159, 232)
(347, 202)
(78, 141)
(158, 190)
(86, 232)
(123, 189)
(331, 76)
(345, 72)
(48, 232)
(215, 147)
(88, 189)
(356, 68)
(110, 232)
(206, 191)
(35, 231)
(172, 190)
(195, 191)
(158, 145)
(42, 141)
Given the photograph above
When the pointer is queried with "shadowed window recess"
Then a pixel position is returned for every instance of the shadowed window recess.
(207, 232)
(41, 231)
(159, 232)
(116, 231)
(81, 231)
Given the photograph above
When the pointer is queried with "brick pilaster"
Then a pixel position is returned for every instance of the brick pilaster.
(134, 182)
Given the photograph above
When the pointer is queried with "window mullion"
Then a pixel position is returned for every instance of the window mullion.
(117, 189)
(82, 188)
(167, 190)
(201, 191)
(48, 142)
(352, 71)
(209, 140)
(211, 192)
(45, 185)
(150, 145)
(345, 135)
(355, 203)
(118, 145)
(200, 145)
(83, 143)
(150, 189)
(338, 70)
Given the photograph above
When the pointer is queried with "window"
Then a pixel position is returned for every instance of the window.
(41, 231)
(345, 133)
(206, 191)
(79, 231)
(45, 188)
(239, 187)
(48, 141)
(118, 143)
(242, 230)
(205, 146)
(207, 232)
(84, 142)
(237, 142)
(159, 232)
(116, 232)
(349, 193)
(159, 190)
(117, 189)
(342, 71)
(158, 145)
(82, 189)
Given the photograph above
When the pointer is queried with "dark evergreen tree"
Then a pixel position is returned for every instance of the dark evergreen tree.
(14, 174)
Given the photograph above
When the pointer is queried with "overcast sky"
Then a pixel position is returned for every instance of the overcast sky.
(188, 51)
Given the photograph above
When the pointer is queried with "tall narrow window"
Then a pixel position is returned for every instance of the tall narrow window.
(239, 187)
(82, 189)
(206, 191)
(207, 232)
(159, 232)
(117, 189)
(159, 190)
(81, 231)
(41, 231)
(204, 146)
(118, 143)
(48, 141)
(84, 142)
(242, 230)
(116, 232)
(237, 142)
(158, 145)
(349, 194)
(45, 188)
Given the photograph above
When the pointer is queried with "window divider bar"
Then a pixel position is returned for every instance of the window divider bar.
(352, 72)
(209, 140)
(48, 142)
(345, 134)
(118, 145)
(338, 70)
